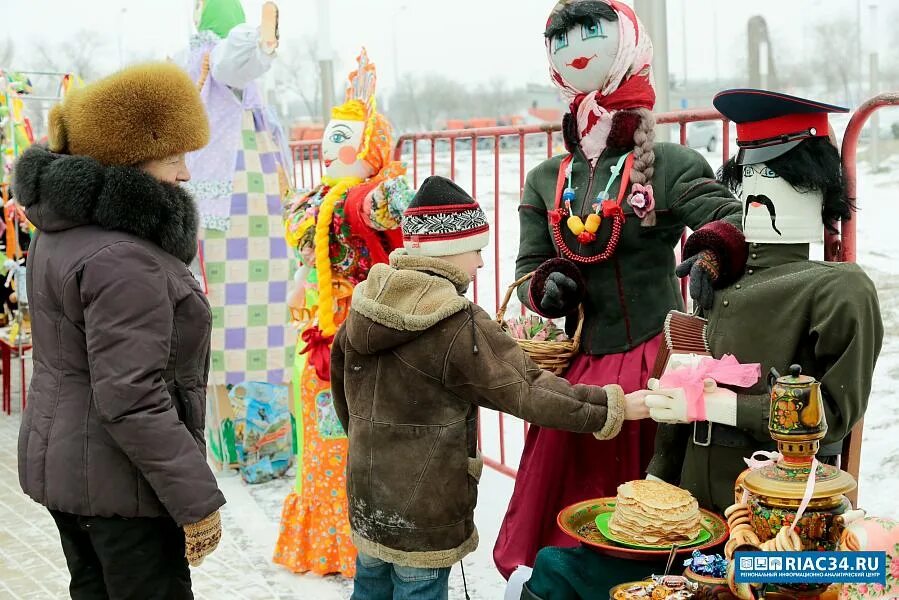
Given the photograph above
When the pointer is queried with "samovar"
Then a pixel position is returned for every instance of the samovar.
(769, 496)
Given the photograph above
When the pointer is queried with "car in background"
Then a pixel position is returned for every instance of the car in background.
(704, 134)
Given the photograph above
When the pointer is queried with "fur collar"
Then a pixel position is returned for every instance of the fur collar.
(60, 192)
(621, 136)
(401, 259)
(411, 294)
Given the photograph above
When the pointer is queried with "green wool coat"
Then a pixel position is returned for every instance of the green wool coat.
(786, 309)
(628, 296)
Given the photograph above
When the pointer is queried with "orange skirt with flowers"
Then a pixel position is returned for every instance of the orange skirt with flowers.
(315, 527)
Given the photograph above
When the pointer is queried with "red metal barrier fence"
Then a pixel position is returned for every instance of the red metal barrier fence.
(842, 246)
(448, 149)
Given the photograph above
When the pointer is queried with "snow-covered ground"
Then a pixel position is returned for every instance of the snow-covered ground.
(878, 246)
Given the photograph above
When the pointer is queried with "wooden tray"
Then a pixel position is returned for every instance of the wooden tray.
(579, 522)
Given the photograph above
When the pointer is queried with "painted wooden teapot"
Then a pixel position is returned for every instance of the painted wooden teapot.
(797, 407)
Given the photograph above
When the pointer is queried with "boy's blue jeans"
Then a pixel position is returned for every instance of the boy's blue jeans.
(379, 580)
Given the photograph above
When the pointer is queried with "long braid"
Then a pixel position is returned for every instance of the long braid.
(204, 72)
(645, 157)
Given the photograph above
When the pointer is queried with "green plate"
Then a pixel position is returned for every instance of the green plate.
(602, 523)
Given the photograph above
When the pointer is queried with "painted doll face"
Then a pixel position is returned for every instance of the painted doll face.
(774, 212)
(584, 54)
(341, 144)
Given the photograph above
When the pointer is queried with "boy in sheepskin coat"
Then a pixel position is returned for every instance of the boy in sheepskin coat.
(410, 367)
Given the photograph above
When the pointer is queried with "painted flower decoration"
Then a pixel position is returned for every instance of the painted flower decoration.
(641, 199)
(894, 568)
(787, 414)
(789, 419)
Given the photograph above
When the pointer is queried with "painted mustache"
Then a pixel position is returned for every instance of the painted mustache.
(768, 203)
(581, 62)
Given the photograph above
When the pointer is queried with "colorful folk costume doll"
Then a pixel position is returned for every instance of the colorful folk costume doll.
(337, 232)
(239, 180)
(598, 227)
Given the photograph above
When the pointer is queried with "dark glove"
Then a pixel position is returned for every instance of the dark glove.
(559, 293)
(703, 269)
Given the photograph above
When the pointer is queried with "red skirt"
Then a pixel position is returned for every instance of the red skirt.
(559, 468)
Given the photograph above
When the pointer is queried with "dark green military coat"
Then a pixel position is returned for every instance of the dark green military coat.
(629, 295)
(785, 310)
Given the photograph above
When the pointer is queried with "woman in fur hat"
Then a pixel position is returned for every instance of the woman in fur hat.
(112, 439)
(598, 227)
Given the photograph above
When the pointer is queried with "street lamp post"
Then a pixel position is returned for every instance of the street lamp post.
(325, 58)
(655, 17)
(396, 54)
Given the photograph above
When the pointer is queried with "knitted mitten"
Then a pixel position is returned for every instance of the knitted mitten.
(704, 270)
(201, 539)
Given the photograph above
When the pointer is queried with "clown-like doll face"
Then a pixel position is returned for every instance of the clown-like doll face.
(774, 212)
(584, 54)
(341, 144)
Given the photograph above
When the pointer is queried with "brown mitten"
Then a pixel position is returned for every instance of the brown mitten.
(201, 539)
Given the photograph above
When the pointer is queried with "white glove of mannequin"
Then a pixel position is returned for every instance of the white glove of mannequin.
(670, 405)
(516, 582)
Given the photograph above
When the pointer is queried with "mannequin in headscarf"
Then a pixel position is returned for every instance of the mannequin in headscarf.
(598, 227)
(240, 181)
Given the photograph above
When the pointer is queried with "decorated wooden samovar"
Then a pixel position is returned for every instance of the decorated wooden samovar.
(771, 493)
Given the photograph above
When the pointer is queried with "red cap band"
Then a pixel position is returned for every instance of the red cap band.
(788, 125)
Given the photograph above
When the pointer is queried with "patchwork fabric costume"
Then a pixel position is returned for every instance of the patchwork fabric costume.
(240, 181)
(336, 232)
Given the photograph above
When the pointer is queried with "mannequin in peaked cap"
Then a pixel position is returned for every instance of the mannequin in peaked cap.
(785, 309)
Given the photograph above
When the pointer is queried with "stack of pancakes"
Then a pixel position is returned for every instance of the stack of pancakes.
(654, 513)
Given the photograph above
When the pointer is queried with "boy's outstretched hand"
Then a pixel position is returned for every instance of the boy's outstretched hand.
(635, 405)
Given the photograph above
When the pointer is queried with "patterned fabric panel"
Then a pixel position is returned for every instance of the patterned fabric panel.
(248, 270)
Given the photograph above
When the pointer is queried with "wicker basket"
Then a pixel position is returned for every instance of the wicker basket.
(552, 356)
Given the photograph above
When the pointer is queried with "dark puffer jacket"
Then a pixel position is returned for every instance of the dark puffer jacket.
(407, 381)
(116, 413)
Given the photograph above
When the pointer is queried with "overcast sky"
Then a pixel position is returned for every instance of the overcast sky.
(471, 41)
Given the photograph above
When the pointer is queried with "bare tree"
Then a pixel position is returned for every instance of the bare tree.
(495, 99)
(77, 54)
(297, 72)
(835, 56)
(423, 102)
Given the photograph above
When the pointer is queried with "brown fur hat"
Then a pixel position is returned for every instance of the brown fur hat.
(140, 113)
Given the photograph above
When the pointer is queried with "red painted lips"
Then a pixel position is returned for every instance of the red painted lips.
(581, 62)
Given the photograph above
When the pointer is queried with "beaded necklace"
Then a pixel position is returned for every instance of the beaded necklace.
(603, 207)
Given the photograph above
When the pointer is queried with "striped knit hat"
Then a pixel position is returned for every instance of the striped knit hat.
(443, 220)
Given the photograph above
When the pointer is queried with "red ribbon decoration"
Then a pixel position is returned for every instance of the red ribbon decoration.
(319, 349)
